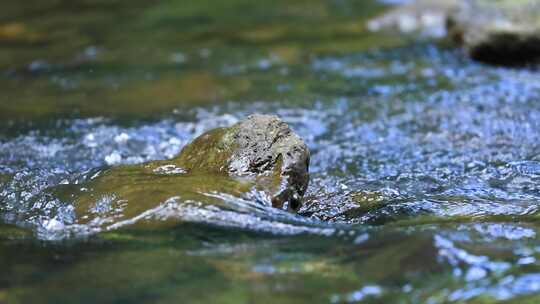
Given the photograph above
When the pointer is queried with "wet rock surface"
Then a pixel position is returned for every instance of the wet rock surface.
(499, 32)
(261, 148)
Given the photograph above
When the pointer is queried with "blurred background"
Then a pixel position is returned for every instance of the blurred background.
(143, 59)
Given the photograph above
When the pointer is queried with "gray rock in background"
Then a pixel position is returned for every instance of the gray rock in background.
(498, 31)
(495, 31)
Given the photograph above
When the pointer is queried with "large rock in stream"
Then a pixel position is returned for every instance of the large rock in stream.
(262, 148)
(259, 158)
(494, 31)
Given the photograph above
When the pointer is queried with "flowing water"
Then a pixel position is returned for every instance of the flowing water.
(425, 169)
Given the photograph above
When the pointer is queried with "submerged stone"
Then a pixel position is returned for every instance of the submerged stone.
(499, 32)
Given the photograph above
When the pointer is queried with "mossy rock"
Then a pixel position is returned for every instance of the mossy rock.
(260, 154)
(262, 149)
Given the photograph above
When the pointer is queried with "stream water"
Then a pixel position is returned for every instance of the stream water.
(425, 167)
